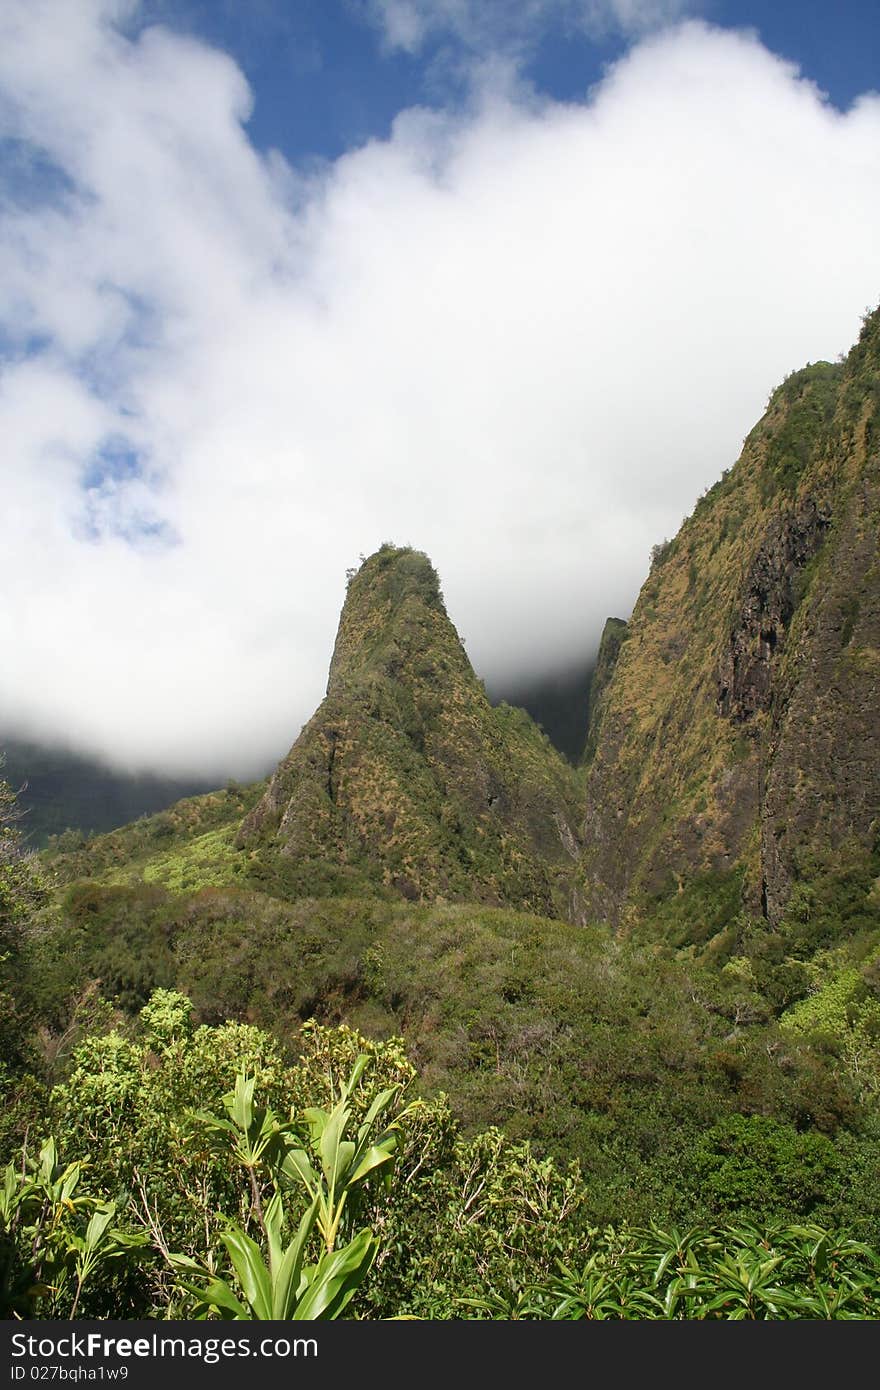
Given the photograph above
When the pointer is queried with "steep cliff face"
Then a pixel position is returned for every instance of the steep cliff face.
(614, 634)
(407, 780)
(737, 744)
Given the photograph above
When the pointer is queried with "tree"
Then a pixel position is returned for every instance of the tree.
(22, 895)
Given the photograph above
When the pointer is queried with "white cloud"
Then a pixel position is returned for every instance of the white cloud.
(489, 24)
(522, 339)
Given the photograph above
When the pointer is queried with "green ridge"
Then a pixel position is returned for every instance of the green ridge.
(737, 739)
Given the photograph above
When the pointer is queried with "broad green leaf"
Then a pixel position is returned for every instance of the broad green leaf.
(329, 1143)
(296, 1166)
(316, 1120)
(357, 1071)
(47, 1160)
(98, 1225)
(185, 1262)
(379, 1104)
(337, 1277)
(214, 1121)
(373, 1158)
(70, 1181)
(273, 1219)
(287, 1279)
(241, 1103)
(252, 1273)
(219, 1295)
(345, 1152)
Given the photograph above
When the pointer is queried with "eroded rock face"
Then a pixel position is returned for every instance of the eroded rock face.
(739, 735)
(821, 802)
(614, 634)
(745, 679)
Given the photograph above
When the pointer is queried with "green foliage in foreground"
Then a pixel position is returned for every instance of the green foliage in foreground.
(332, 1168)
(204, 1199)
(54, 1238)
(208, 1176)
(721, 1272)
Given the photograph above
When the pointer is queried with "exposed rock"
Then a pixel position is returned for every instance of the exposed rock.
(745, 678)
(614, 634)
(822, 784)
(739, 732)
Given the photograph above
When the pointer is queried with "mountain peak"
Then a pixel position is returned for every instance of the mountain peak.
(406, 779)
(393, 613)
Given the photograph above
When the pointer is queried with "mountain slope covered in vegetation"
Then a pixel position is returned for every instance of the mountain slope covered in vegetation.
(735, 758)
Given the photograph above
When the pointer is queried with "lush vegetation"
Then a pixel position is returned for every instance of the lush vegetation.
(617, 1053)
(197, 1173)
(810, 400)
(589, 1126)
(188, 844)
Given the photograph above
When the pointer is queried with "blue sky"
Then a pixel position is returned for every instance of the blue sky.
(325, 76)
(281, 282)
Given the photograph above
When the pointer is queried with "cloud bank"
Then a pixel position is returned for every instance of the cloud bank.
(522, 337)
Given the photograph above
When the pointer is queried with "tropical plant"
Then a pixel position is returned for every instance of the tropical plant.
(284, 1287)
(722, 1272)
(313, 1152)
(54, 1238)
(344, 1164)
